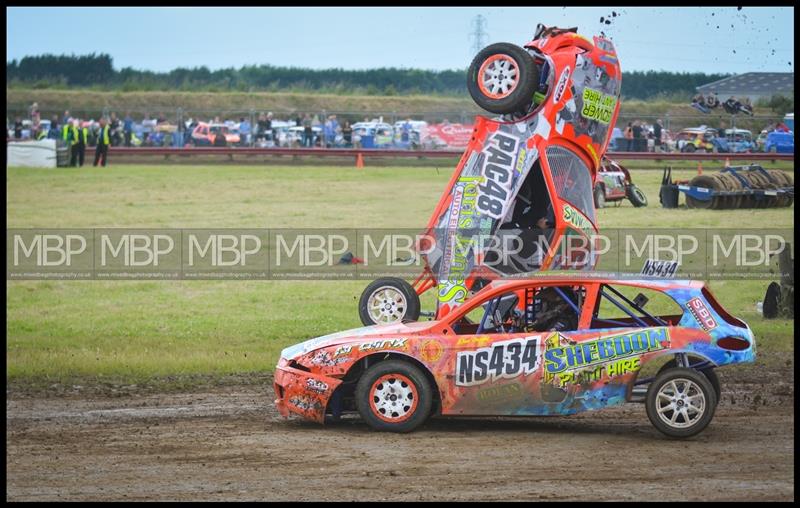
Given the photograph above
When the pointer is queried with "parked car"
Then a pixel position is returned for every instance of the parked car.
(415, 133)
(575, 344)
(699, 139)
(204, 134)
(779, 142)
(739, 141)
(373, 134)
(294, 136)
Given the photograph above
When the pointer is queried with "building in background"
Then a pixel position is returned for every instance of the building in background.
(754, 85)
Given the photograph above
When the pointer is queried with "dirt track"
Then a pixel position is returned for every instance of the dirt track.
(230, 444)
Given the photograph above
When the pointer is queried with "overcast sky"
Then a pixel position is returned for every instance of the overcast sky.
(709, 39)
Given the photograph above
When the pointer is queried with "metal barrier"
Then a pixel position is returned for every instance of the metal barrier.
(362, 152)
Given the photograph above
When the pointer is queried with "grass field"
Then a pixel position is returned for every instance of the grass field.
(135, 331)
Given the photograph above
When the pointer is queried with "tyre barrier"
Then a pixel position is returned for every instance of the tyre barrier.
(734, 187)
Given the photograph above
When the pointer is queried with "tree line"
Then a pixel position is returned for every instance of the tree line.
(97, 71)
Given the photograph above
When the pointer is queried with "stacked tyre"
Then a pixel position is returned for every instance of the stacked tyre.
(751, 180)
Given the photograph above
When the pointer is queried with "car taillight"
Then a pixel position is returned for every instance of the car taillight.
(733, 343)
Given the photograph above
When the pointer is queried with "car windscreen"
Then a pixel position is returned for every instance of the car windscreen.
(572, 179)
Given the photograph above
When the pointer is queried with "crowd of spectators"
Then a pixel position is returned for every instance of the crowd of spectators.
(264, 129)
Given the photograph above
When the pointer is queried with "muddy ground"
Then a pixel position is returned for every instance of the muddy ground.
(229, 443)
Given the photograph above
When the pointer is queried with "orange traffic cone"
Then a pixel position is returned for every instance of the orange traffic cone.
(699, 167)
(360, 161)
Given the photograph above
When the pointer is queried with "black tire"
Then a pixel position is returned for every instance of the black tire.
(772, 299)
(700, 386)
(707, 372)
(407, 311)
(708, 182)
(521, 94)
(599, 197)
(417, 409)
(689, 148)
(636, 196)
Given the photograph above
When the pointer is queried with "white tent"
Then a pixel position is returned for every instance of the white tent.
(33, 154)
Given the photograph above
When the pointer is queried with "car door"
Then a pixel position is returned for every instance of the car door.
(496, 370)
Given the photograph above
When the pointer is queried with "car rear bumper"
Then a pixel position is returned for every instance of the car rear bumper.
(302, 393)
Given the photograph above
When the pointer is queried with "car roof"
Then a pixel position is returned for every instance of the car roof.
(584, 279)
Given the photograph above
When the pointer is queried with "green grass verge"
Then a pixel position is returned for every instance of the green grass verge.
(134, 331)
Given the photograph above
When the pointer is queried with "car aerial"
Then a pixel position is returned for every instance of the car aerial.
(527, 347)
(613, 184)
(779, 142)
(204, 134)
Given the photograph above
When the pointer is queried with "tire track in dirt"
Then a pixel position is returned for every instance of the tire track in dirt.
(231, 444)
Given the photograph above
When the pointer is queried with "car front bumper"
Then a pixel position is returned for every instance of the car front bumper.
(302, 393)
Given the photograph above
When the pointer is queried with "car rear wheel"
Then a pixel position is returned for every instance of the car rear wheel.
(502, 78)
(394, 396)
(599, 197)
(680, 402)
(388, 300)
(636, 196)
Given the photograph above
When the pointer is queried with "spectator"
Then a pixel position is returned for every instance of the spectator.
(347, 135)
(127, 127)
(148, 125)
(18, 128)
(114, 129)
(269, 130)
(161, 118)
(219, 138)
(261, 127)
(405, 135)
(244, 131)
(35, 116)
(308, 131)
(330, 131)
(66, 118)
(637, 136)
(628, 137)
(53, 133)
(103, 141)
(657, 135)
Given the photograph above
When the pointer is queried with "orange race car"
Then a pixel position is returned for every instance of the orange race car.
(577, 344)
(204, 134)
(525, 179)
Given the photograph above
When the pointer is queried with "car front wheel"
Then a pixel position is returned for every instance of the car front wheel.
(394, 396)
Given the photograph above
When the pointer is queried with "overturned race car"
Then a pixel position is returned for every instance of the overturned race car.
(526, 177)
(562, 354)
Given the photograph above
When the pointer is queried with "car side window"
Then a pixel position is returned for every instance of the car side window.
(547, 308)
(621, 306)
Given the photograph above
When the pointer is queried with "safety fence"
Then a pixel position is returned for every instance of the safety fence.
(361, 154)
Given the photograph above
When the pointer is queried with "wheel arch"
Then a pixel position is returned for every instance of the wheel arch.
(358, 368)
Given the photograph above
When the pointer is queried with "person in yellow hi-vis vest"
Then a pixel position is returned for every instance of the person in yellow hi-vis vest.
(79, 137)
(103, 142)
